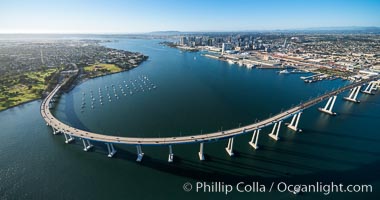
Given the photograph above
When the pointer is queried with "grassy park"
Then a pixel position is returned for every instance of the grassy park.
(334, 72)
(101, 69)
(28, 86)
(18, 89)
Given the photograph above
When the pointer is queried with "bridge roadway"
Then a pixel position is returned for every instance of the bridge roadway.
(209, 137)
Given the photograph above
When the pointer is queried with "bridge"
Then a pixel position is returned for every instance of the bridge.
(70, 133)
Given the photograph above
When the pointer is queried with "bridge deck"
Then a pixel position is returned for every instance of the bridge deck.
(58, 125)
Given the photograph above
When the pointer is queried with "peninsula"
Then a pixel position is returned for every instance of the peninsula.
(30, 69)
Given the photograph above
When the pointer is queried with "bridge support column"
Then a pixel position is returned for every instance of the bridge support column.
(55, 131)
(87, 145)
(294, 123)
(230, 146)
(171, 155)
(329, 106)
(140, 154)
(353, 94)
(255, 139)
(200, 153)
(111, 150)
(371, 86)
(376, 85)
(68, 138)
(275, 131)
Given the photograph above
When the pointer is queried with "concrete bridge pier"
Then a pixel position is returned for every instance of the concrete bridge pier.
(171, 155)
(371, 86)
(255, 139)
(353, 95)
(87, 145)
(140, 154)
(294, 123)
(329, 106)
(376, 85)
(68, 138)
(275, 131)
(111, 150)
(230, 146)
(55, 131)
(200, 153)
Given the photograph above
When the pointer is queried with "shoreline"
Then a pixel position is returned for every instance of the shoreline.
(80, 81)
(182, 48)
(22, 103)
(73, 85)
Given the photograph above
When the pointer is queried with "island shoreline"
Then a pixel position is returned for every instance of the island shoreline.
(76, 83)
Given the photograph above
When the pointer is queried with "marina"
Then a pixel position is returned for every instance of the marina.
(141, 84)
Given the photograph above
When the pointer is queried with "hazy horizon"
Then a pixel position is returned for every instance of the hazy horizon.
(129, 17)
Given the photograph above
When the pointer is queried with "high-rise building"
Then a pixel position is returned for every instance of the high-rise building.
(198, 41)
(183, 40)
(225, 47)
(210, 42)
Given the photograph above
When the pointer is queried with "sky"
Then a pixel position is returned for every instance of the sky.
(138, 16)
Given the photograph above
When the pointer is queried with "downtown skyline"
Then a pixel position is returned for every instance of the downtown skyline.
(116, 16)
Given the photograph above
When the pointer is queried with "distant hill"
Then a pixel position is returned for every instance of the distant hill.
(164, 33)
(342, 29)
(346, 29)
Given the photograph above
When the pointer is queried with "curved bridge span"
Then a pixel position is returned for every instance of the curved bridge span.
(295, 112)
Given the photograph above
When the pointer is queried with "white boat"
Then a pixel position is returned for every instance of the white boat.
(249, 66)
(297, 71)
(285, 71)
(231, 62)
